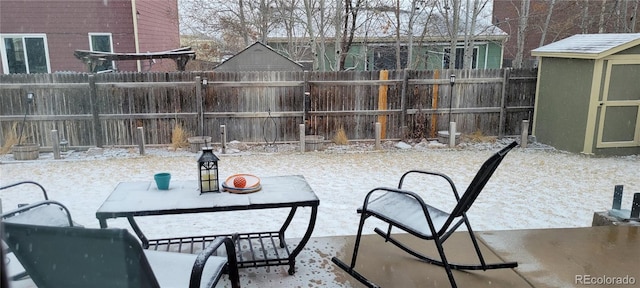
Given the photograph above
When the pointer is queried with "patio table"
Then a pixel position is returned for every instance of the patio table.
(255, 249)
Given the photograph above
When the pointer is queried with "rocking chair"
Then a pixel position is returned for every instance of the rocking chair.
(407, 211)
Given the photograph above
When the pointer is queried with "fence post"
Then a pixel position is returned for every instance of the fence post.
(223, 138)
(382, 101)
(302, 138)
(403, 104)
(378, 130)
(141, 140)
(93, 99)
(524, 134)
(433, 132)
(505, 82)
(452, 134)
(56, 144)
(306, 103)
(200, 105)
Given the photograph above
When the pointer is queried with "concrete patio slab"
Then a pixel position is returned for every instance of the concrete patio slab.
(384, 264)
(546, 258)
(572, 257)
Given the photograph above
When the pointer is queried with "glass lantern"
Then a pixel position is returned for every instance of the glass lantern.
(208, 171)
(64, 144)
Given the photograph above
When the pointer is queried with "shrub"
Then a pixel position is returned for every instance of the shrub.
(179, 137)
(341, 137)
(11, 139)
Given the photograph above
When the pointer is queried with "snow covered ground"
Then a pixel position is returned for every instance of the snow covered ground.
(536, 187)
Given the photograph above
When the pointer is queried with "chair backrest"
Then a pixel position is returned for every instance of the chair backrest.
(79, 257)
(47, 213)
(480, 180)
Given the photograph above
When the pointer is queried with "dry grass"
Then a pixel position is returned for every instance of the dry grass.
(179, 138)
(341, 137)
(478, 137)
(11, 139)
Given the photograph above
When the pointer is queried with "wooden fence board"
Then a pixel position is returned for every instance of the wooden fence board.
(483, 100)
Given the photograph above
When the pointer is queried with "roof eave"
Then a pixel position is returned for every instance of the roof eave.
(567, 55)
(390, 39)
(603, 54)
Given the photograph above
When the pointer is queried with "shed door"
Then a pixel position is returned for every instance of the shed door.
(620, 113)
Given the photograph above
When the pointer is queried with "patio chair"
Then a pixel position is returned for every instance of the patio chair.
(48, 214)
(407, 211)
(56, 256)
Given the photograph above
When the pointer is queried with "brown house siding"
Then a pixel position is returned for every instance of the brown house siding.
(566, 20)
(67, 25)
(158, 30)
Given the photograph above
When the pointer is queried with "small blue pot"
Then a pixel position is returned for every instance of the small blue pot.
(162, 180)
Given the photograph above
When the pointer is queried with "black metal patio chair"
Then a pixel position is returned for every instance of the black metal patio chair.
(48, 214)
(408, 211)
(69, 256)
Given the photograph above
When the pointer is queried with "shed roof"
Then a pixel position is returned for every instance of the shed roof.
(267, 60)
(589, 46)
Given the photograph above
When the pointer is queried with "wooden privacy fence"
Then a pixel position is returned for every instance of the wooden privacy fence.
(106, 109)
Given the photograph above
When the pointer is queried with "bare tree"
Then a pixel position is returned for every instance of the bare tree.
(545, 28)
(523, 17)
(323, 28)
(289, 18)
(243, 23)
(413, 13)
(309, 9)
(634, 16)
(601, 23)
(339, 19)
(315, 15)
(352, 8)
(398, 26)
(470, 30)
(584, 23)
(451, 12)
(426, 33)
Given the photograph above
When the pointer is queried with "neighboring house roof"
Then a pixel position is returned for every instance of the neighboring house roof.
(259, 57)
(589, 46)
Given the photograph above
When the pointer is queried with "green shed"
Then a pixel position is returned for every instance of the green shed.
(588, 94)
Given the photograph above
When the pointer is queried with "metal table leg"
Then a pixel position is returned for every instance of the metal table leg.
(303, 241)
(285, 225)
(136, 228)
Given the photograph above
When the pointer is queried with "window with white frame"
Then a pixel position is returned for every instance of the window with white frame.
(25, 53)
(101, 42)
(459, 58)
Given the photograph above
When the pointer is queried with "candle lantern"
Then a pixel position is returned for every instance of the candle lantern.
(64, 144)
(208, 171)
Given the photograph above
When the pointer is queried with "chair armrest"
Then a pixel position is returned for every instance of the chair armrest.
(390, 215)
(44, 192)
(392, 190)
(25, 209)
(203, 256)
(431, 173)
